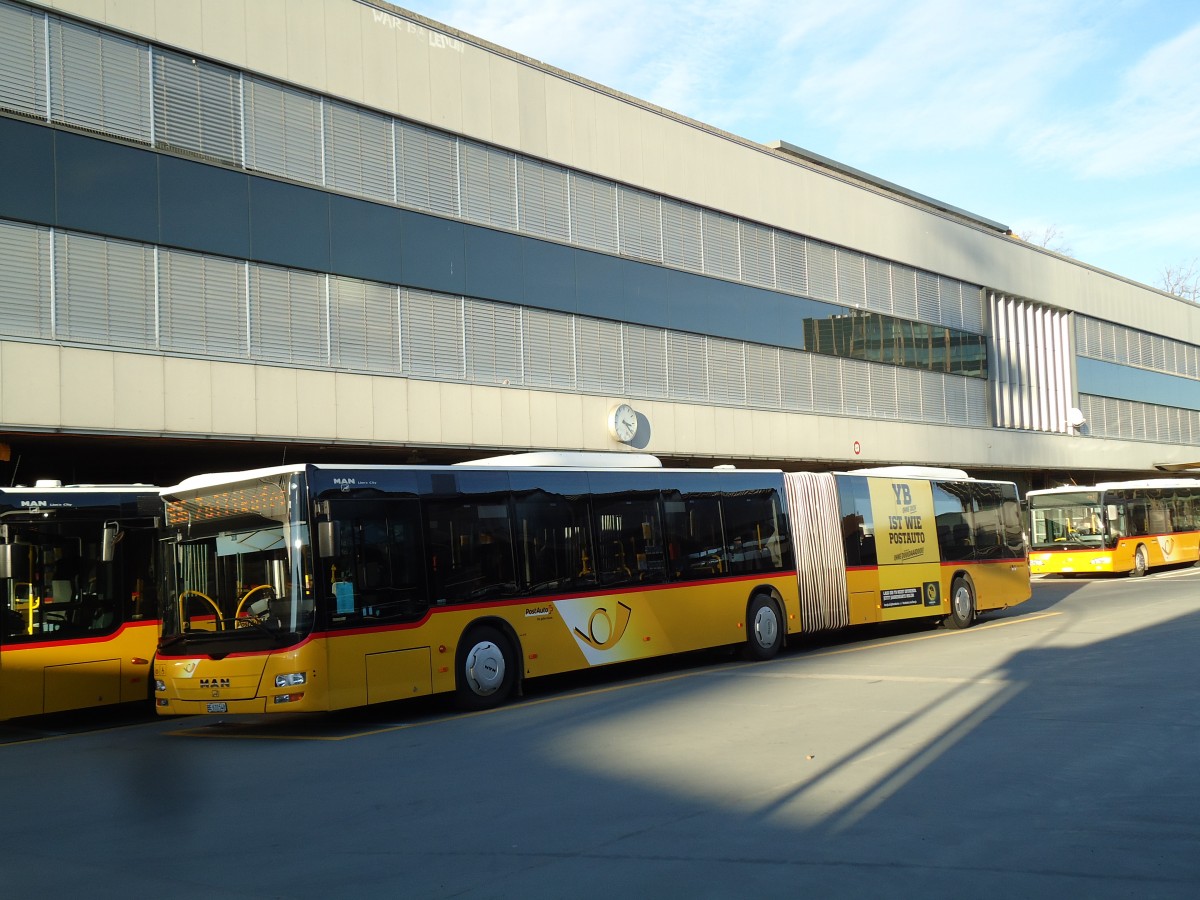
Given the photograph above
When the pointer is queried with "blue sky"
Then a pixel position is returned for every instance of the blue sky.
(1075, 117)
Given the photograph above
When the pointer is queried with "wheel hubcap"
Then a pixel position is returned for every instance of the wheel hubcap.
(766, 626)
(485, 668)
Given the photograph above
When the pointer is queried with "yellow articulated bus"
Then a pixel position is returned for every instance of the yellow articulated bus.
(1114, 527)
(315, 587)
(77, 595)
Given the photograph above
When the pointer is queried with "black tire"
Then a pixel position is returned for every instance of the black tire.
(764, 628)
(1140, 562)
(486, 669)
(962, 604)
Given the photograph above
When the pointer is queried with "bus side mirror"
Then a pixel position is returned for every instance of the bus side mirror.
(326, 540)
(6, 560)
(108, 542)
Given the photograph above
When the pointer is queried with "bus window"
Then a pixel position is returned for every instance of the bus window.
(858, 523)
(695, 539)
(470, 550)
(554, 543)
(953, 524)
(752, 527)
(629, 545)
(988, 533)
(377, 571)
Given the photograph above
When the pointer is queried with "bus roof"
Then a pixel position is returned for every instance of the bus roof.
(574, 459)
(1144, 483)
(934, 472)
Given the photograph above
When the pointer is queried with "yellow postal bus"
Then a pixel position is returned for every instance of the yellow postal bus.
(314, 587)
(1114, 527)
(77, 596)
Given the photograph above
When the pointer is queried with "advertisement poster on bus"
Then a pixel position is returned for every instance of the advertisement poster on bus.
(906, 545)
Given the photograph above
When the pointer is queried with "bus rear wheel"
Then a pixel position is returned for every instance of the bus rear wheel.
(485, 673)
(1140, 562)
(764, 629)
(962, 604)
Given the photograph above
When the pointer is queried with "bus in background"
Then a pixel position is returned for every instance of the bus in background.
(1119, 526)
(317, 587)
(78, 590)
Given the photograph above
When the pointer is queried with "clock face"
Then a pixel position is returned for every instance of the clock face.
(623, 423)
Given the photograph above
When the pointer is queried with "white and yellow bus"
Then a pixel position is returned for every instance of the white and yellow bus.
(1114, 527)
(315, 587)
(77, 596)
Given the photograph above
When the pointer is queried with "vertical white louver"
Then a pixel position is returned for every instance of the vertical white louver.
(283, 131)
(104, 291)
(827, 383)
(796, 380)
(822, 271)
(599, 356)
(932, 389)
(885, 400)
(687, 366)
(758, 254)
(726, 371)
(593, 213)
(197, 107)
(856, 387)
(489, 185)
(791, 263)
(549, 349)
(543, 200)
(851, 278)
(431, 331)
(641, 230)
(202, 305)
(287, 316)
(720, 247)
(645, 360)
(22, 60)
(358, 152)
(682, 240)
(950, 301)
(25, 287)
(427, 177)
(973, 302)
(364, 326)
(1030, 359)
(879, 285)
(904, 292)
(763, 376)
(494, 340)
(99, 81)
(929, 305)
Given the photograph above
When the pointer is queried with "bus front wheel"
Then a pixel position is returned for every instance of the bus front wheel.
(962, 604)
(1140, 563)
(485, 671)
(764, 629)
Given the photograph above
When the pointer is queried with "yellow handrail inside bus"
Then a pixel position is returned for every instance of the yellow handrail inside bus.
(29, 603)
(183, 608)
(246, 596)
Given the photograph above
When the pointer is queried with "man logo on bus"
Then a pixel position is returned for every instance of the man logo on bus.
(601, 633)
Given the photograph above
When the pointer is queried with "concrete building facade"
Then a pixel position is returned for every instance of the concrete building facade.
(235, 229)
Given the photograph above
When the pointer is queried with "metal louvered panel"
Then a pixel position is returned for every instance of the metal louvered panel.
(25, 287)
(791, 263)
(645, 359)
(99, 81)
(104, 291)
(758, 254)
(202, 305)
(720, 244)
(431, 335)
(640, 224)
(950, 300)
(359, 157)
(428, 169)
(726, 371)
(549, 349)
(762, 376)
(593, 212)
(929, 308)
(856, 387)
(543, 202)
(599, 356)
(22, 60)
(364, 326)
(826, 384)
(851, 278)
(796, 380)
(687, 366)
(494, 336)
(933, 396)
(682, 241)
(283, 131)
(972, 307)
(879, 285)
(197, 107)
(489, 185)
(976, 399)
(957, 412)
(904, 292)
(884, 399)
(820, 558)
(287, 316)
(822, 271)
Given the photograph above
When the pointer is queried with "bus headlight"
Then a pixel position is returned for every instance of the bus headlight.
(290, 680)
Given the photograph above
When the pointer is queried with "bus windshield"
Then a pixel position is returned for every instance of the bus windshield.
(238, 568)
(1067, 519)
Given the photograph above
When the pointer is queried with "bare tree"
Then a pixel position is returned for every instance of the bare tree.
(1182, 280)
(1051, 237)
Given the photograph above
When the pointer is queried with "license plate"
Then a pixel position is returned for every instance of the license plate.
(218, 707)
